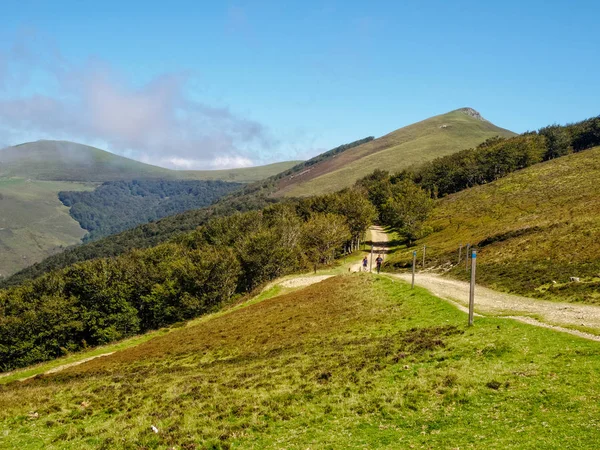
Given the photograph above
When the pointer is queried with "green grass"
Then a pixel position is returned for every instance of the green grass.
(242, 175)
(69, 161)
(33, 223)
(409, 146)
(354, 362)
(535, 226)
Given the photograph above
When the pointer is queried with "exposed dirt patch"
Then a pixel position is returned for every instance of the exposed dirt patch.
(304, 281)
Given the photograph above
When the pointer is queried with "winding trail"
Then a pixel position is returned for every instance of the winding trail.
(380, 240)
(542, 313)
(546, 314)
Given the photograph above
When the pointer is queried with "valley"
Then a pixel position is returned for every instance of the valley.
(34, 224)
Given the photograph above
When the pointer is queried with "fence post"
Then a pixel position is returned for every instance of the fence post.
(371, 265)
(472, 291)
(459, 253)
(467, 260)
(413, 271)
(424, 257)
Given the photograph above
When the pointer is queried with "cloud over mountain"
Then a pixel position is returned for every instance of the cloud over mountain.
(156, 121)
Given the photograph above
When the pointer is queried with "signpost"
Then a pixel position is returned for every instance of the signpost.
(413, 272)
(472, 291)
(467, 260)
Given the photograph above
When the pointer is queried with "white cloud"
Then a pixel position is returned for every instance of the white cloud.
(156, 122)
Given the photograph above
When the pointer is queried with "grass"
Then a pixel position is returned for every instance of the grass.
(242, 175)
(409, 146)
(69, 161)
(356, 361)
(34, 224)
(535, 227)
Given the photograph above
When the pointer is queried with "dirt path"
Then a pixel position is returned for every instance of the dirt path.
(303, 281)
(491, 302)
(379, 239)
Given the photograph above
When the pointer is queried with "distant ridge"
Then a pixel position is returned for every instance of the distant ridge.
(411, 145)
(69, 161)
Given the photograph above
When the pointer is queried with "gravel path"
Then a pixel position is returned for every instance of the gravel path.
(487, 301)
(380, 239)
(303, 281)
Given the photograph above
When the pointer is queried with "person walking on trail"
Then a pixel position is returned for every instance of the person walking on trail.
(365, 262)
(379, 260)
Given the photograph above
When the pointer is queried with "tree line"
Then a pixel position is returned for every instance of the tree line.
(105, 299)
(497, 157)
(404, 200)
(119, 205)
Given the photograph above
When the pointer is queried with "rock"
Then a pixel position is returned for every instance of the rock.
(574, 279)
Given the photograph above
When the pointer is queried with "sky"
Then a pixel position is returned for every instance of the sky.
(208, 85)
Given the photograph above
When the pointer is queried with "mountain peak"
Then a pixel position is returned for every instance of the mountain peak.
(473, 113)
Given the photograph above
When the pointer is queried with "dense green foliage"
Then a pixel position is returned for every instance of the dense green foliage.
(148, 235)
(119, 205)
(104, 299)
(498, 157)
(252, 197)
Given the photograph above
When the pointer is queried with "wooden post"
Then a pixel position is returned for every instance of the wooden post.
(459, 252)
(371, 265)
(424, 257)
(413, 272)
(472, 291)
(467, 260)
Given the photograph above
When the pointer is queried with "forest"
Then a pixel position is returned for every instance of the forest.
(187, 265)
(106, 299)
(116, 206)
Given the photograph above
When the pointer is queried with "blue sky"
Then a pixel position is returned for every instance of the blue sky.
(217, 84)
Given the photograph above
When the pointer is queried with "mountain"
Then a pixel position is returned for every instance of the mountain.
(34, 224)
(69, 161)
(534, 229)
(408, 146)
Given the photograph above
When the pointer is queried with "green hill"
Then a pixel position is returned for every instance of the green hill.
(33, 222)
(352, 362)
(69, 161)
(409, 146)
(534, 229)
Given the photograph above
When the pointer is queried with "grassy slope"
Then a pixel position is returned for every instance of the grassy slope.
(33, 223)
(243, 175)
(411, 145)
(353, 362)
(68, 161)
(544, 222)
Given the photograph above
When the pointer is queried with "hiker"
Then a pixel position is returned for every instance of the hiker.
(365, 262)
(379, 260)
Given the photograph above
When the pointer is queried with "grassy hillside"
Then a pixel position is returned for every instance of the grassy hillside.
(243, 175)
(34, 224)
(408, 146)
(68, 161)
(534, 227)
(352, 362)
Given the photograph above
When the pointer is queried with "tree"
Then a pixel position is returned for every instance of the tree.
(407, 208)
(322, 234)
(359, 212)
(558, 141)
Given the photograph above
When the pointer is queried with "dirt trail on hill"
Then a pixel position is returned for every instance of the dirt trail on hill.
(380, 240)
(487, 301)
